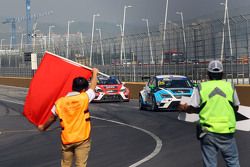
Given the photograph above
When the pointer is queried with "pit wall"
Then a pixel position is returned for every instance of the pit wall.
(134, 87)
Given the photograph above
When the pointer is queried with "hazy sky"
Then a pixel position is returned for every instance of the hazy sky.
(112, 10)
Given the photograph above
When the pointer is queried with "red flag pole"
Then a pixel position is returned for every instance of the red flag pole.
(75, 63)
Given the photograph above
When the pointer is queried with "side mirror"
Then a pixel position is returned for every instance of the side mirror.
(195, 84)
(152, 87)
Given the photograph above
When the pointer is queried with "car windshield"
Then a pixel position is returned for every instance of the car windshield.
(108, 81)
(175, 83)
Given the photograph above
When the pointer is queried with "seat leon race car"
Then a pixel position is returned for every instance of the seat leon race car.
(111, 89)
(164, 92)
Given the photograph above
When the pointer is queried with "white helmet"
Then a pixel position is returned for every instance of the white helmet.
(215, 66)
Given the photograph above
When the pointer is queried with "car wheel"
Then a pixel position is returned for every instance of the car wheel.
(154, 106)
(141, 105)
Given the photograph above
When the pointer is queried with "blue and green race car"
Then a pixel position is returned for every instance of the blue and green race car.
(164, 92)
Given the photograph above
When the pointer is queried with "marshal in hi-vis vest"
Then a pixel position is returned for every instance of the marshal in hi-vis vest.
(217, 114)
(74, 118)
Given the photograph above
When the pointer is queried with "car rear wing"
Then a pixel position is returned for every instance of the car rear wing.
(145, 78)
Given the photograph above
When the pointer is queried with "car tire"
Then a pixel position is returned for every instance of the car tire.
(154, 106)
(141, 105)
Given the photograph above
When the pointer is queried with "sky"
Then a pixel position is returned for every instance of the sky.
(111, 11)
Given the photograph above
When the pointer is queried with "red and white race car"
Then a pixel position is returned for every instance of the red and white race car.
(111, 90)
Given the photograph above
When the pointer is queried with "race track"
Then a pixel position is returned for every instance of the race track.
(122, 136)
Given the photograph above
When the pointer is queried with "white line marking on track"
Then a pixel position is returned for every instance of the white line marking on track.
(11, 101)
(156, 138)
(20, 131)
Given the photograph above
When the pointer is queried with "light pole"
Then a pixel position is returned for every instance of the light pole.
(183, 29)
(2, 43)
(53, 44)
(11, 43)
(67, 53)
(133, 62)
(92, 36)
(150, 43)
(1, 49)
(120, 26)
(226, 19)
(50, 27)
(100, 35)
(123, 28)
(184, 39)
(83, 53)
(21, 47)
(34, 41)
(44, 38)
(164, 31)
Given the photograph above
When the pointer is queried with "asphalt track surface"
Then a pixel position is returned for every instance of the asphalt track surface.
(122, 136)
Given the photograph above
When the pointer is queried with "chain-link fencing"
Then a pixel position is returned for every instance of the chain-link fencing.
(180, 51)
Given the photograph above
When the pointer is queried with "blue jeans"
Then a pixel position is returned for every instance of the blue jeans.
(212, 143)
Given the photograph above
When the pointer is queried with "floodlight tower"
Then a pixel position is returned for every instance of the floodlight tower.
(29, 25)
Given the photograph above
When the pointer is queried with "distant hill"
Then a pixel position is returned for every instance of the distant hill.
(110, 30)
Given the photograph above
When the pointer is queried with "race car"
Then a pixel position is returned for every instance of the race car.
(163, 92)
(111, 89)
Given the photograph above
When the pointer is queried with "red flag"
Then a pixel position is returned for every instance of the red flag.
(52, 80)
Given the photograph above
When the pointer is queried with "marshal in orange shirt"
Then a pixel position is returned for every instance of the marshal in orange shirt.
(74, 118)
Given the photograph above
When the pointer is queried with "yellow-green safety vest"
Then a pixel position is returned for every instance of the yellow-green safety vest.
(217, 114)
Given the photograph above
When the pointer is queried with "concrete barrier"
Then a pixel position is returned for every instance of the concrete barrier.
(12, 81)
(134, 87)
(244, 94)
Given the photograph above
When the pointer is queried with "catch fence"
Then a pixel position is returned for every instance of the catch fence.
(173, 52)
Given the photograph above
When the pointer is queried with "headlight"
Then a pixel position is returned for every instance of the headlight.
(123, 90)
(166, 96)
